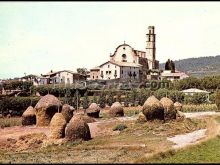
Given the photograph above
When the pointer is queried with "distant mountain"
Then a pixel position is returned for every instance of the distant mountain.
(198, 67)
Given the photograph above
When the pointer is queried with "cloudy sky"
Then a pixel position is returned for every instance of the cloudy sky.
(36, 37)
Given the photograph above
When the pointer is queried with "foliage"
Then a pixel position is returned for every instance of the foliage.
(16, 105)
(68, 98)
(199, 108)
(197, 98)
(102, 99)
(95, 99)
(110, 98)
(85, 101)
(119, 127)
(76, 100)
(126, 100)
(217, 99)
(15, 84)
(169, 65)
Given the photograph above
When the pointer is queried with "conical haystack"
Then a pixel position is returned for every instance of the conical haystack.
(67, 112)
(29, 116)
(153, 109)
(178, 106)
(77, 128)
(46, 107)
(57, 126)
(169, 110)
(141, 117)
(116, 110)
(93, 110)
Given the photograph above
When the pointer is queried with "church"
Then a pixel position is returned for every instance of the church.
(127, 63)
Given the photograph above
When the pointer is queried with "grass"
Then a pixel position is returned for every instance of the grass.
(9, 122)
(205, 152)
(199, 108)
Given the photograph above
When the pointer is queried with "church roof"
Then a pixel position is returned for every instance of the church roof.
(125, 64)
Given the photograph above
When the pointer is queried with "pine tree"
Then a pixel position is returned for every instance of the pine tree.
(85, 101)
(102, 100)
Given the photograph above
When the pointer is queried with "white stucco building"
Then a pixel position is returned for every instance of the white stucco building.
(128, 63)
(177, 75)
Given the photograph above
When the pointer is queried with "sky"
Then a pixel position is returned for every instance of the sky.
(36, 37)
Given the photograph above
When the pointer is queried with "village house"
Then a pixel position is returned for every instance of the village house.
(177, 75)
(60, 77)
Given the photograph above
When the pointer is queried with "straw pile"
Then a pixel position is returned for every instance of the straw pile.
(141, 117)
(57, 126)
(46, 107)
(116, 110)
(169, 110)
(178, 106)
(67, 112)
(29, 116)
(77, 129)
(153, 109)
(93, 110)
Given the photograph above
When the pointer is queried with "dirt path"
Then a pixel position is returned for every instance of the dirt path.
(195, 137)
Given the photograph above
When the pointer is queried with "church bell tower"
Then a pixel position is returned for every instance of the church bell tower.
(151, 47)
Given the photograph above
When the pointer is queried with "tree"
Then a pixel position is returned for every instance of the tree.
(67, 98)
(76, 99)
(217, 99)
(169, 65)
(95, 99)
(110, 98)
(85, 101)
(82, 71)
(102, 100)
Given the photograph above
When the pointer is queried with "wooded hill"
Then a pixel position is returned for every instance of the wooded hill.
(198, 67)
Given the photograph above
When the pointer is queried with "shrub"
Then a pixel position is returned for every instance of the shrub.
(217, 99)
(110, 98)
(16, 105)
(197, 98)
(119, 127)
(199, 108)
(85, 101)
(102, 100)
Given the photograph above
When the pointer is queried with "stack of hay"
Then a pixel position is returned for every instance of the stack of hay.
(116, 110)
(77, 129)
(57, 126)
(93, 110)
(169, 110)
(29, 116)
(67, 112)
(179, 115)
(153, 109)
(46, 107)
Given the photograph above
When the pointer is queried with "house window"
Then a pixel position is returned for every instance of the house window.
(108, 66)
(115, 66)
(93, 77)
(121, 71)
(96, 76)
(124, 48)
(115, 72)
(106, 72)
(110, 72)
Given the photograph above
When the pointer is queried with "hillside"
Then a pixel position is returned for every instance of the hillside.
(199, 67)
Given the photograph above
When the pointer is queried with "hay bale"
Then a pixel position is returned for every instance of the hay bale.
(116, 110)
(169, 110)
(29, 116)
(93, 110)
(180, 116)
(46, 107)
(57, 126)
(77, 129)
(178, 106)
(153, 109)
(87, 118)
(67, 112)
(141, 117)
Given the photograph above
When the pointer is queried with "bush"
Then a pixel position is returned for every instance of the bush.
(119, 127)
(102, 100)
(16, 105)
(217, 99)
(85, 101)
(197, 98)
(199, 108)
